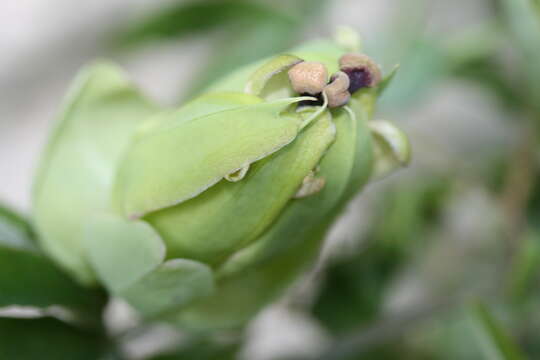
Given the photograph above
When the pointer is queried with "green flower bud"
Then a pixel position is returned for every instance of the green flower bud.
(203, 214)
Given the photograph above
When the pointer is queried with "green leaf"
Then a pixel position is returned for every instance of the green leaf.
(161, 169)
(102, 111)
(523, 24)
(15, 229)
(47, 339)
(183, 19)
(230, 215)
(247, 42)
(202, 350)
(495, 341)
(174, 284)
(28, 278)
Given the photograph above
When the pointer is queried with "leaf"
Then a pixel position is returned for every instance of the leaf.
(183, 19)
(15, 229)
(247, 42)
(229, 216)
(354, 286)
(28, 278)
(175, 283)
(523, 23)
(494, 339)
(47, 339)
(102, 112)
(162, 170)
(202, 350)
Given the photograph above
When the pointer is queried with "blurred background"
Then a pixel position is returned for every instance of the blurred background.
(440, 261)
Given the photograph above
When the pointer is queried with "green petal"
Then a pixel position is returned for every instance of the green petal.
(260, 78)
(122, 251)
(238, 298)
(172, 285)
(76, 173)
(168, 166)
(260, 272)
(230, 215)
(345, 168)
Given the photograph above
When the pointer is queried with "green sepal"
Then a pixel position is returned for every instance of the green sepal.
(260, 78)
(345, 168)
(102, 111)
(162, 168)
(121, 251)
(259, 273)
(228, 216)
(173, 284)
(128, 256)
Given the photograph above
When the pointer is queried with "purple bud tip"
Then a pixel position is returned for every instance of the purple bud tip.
(359, 78)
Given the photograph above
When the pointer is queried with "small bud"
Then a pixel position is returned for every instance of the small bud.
(337, 90)
(362, 71)
(308, 77)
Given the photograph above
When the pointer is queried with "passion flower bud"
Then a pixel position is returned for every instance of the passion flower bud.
(362, 71)
(202, 215)
(308, 77)
(337, 91)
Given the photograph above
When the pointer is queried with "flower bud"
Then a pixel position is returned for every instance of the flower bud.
(362, 71)
(308, 77)
(207, 212)
(337, 91)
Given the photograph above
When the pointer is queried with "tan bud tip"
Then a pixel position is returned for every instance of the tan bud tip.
(308, 77)
(337, 91)
(362, 71)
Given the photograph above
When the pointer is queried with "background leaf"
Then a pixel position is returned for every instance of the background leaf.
(496, 342)
(47, 339)
(28, 278)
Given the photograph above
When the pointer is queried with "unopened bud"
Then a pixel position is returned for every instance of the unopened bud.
(308, 77)
(337, 91)
(362, 71)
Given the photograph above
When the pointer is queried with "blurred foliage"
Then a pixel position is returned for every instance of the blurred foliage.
(495, 340)
(353, 291)
(248, 30)
(29, 278)
(202, 350)
(47, 339)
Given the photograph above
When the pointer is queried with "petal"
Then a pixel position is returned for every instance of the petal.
(76, 173)
(230, 215)
(168, 165)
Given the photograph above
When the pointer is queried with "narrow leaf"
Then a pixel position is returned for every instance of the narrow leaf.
(495, 341)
